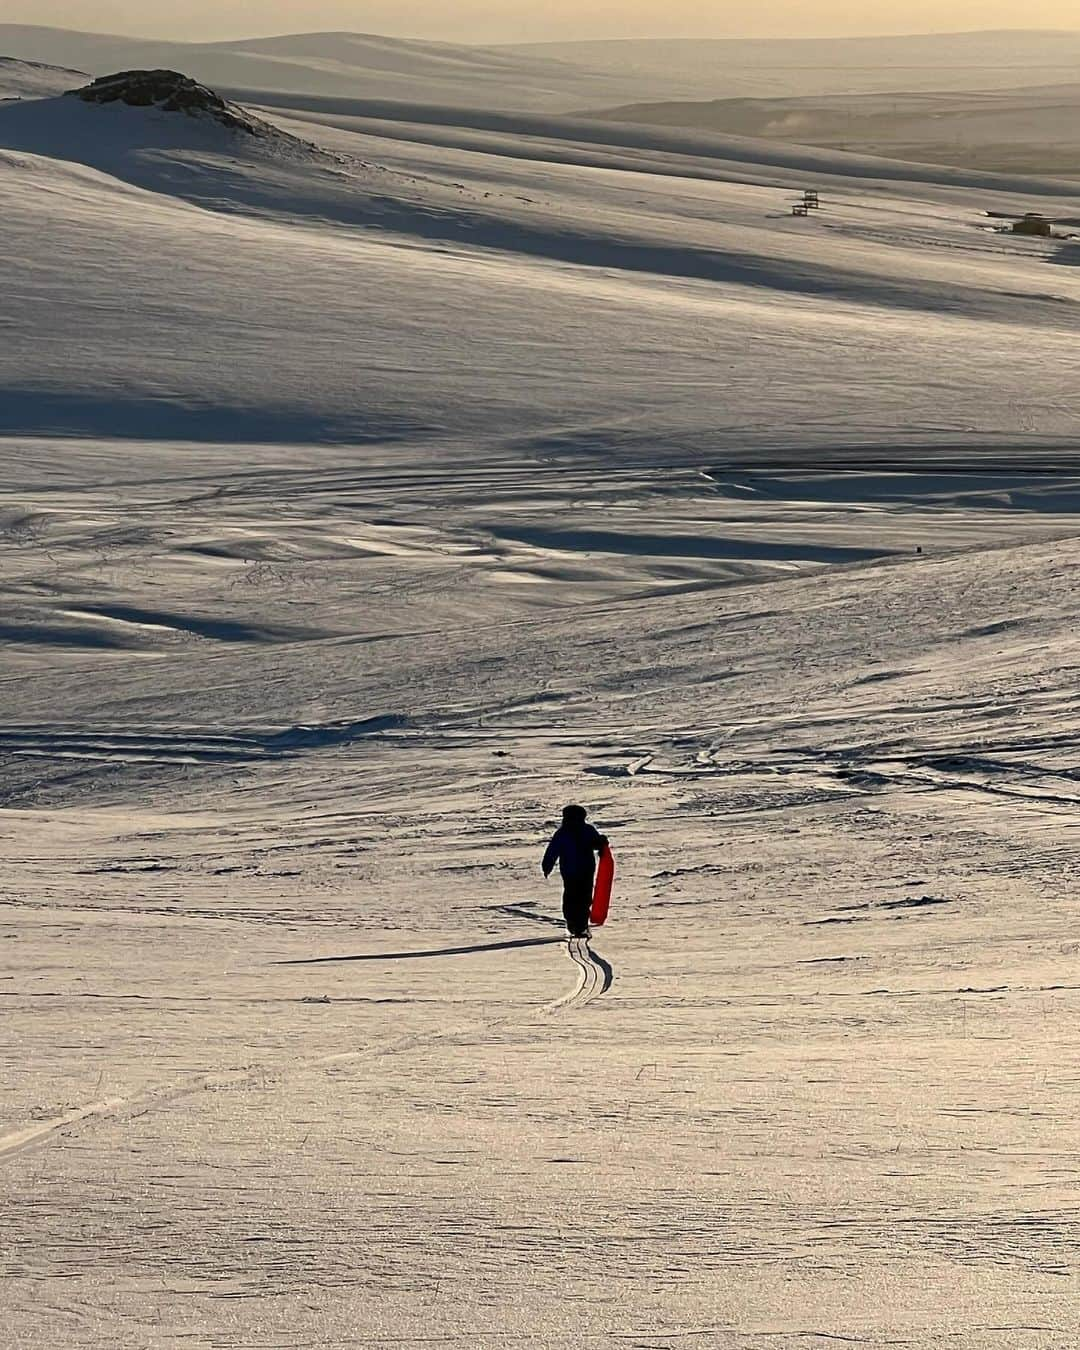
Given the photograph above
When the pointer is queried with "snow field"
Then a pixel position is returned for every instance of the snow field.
(337, 550)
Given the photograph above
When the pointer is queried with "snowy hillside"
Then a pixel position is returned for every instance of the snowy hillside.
(370, 487)
(28, 79)
(623, 310)
(354, 65)
(1014, 131)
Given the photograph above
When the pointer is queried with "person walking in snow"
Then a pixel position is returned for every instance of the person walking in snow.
(574, 846)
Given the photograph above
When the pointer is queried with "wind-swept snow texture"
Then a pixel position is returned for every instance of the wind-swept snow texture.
(372, 487)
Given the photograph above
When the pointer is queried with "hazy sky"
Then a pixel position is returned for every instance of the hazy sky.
(527, 20)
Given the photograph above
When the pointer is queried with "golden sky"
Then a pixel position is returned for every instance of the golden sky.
(538, 20)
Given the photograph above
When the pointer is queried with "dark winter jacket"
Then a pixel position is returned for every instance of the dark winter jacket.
(574, 847)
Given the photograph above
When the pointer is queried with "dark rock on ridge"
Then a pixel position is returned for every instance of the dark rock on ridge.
(168, 91)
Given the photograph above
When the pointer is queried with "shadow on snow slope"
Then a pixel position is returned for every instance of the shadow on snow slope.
(563, 139)
(203, 163)
(52, 412)
(682, 546)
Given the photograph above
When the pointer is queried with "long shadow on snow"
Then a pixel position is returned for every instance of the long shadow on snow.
(116, 413)
(561, 138)
(439, 951)
(242, 177)
(605, 966)
(682, 546)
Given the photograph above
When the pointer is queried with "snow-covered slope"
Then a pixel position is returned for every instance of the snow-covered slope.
(30, 79)
(621, 309)
(369, 489)
(1018, 131)
(600, 139)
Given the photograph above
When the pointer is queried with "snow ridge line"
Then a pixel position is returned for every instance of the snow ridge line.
(193, 744)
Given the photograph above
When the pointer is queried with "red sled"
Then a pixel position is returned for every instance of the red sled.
(601, 898)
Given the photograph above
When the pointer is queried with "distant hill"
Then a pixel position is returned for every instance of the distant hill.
(343, 65)
(568, 77)
(1011, 131)
(787, 67)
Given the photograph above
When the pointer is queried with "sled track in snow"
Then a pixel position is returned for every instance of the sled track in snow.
(595, 977)
(126, 1109)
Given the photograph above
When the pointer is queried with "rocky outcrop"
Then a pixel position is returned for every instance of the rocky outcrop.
(168, 91)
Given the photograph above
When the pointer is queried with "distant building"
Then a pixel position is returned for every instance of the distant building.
(1033, 223)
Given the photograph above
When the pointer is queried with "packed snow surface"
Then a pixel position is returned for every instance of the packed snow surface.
(371, 487)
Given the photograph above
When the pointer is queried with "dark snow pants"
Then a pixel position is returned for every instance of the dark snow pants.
(577, 902)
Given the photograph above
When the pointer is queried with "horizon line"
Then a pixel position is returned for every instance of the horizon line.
(544, 42)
